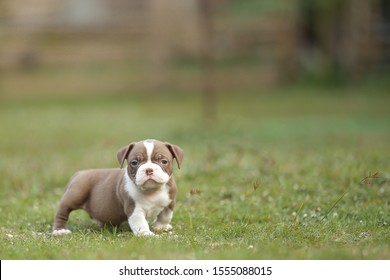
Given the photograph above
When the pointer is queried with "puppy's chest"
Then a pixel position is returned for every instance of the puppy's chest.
(152, 204)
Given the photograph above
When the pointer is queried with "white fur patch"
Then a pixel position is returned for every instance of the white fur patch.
(159, 177)
(151, 204)
(149, 145)
(63, 231)
(138, 224)
(145, 181)
(147, 206)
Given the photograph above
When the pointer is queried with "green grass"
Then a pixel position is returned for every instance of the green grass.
(279, 176)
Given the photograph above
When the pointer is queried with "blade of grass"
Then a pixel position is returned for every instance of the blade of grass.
(334, 205)
(299, 211)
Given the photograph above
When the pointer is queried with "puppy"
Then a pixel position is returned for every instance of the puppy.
(145, 189)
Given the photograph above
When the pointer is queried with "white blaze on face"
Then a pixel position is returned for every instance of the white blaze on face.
(149, 145)
(150, 175)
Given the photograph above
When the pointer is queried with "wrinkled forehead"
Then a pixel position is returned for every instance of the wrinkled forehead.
(150, 148)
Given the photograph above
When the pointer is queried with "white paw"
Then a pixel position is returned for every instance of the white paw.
(145, 233)
(162, 227)
(63, 231)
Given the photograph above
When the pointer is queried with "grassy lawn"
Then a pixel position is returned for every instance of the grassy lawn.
(281, 175)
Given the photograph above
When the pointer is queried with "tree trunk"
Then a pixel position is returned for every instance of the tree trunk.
(209, 98)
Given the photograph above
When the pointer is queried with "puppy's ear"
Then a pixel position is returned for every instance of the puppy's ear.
(176, 152)
(123, 153)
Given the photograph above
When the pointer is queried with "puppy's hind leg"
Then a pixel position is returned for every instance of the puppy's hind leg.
(72, 199)
(61, 220)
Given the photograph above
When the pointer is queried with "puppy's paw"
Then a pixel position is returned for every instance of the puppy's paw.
(162, 227)
(145, 233)
(63, 231)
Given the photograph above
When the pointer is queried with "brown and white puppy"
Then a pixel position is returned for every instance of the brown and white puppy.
(146, 189)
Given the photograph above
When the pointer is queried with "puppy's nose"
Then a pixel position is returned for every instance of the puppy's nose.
(149, 171)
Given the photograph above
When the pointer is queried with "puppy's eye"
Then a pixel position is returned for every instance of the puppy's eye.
(164, 161)
(134, 162)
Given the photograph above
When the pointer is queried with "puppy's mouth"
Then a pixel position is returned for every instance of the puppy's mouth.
(150, 182)
(151, 176)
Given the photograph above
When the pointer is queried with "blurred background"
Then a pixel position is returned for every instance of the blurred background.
(290, 97)
(104, 47)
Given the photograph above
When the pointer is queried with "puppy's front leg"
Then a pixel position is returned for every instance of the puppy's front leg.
(163, 219)
(138, 223)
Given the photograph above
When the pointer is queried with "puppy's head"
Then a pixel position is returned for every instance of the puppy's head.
(150, 162)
